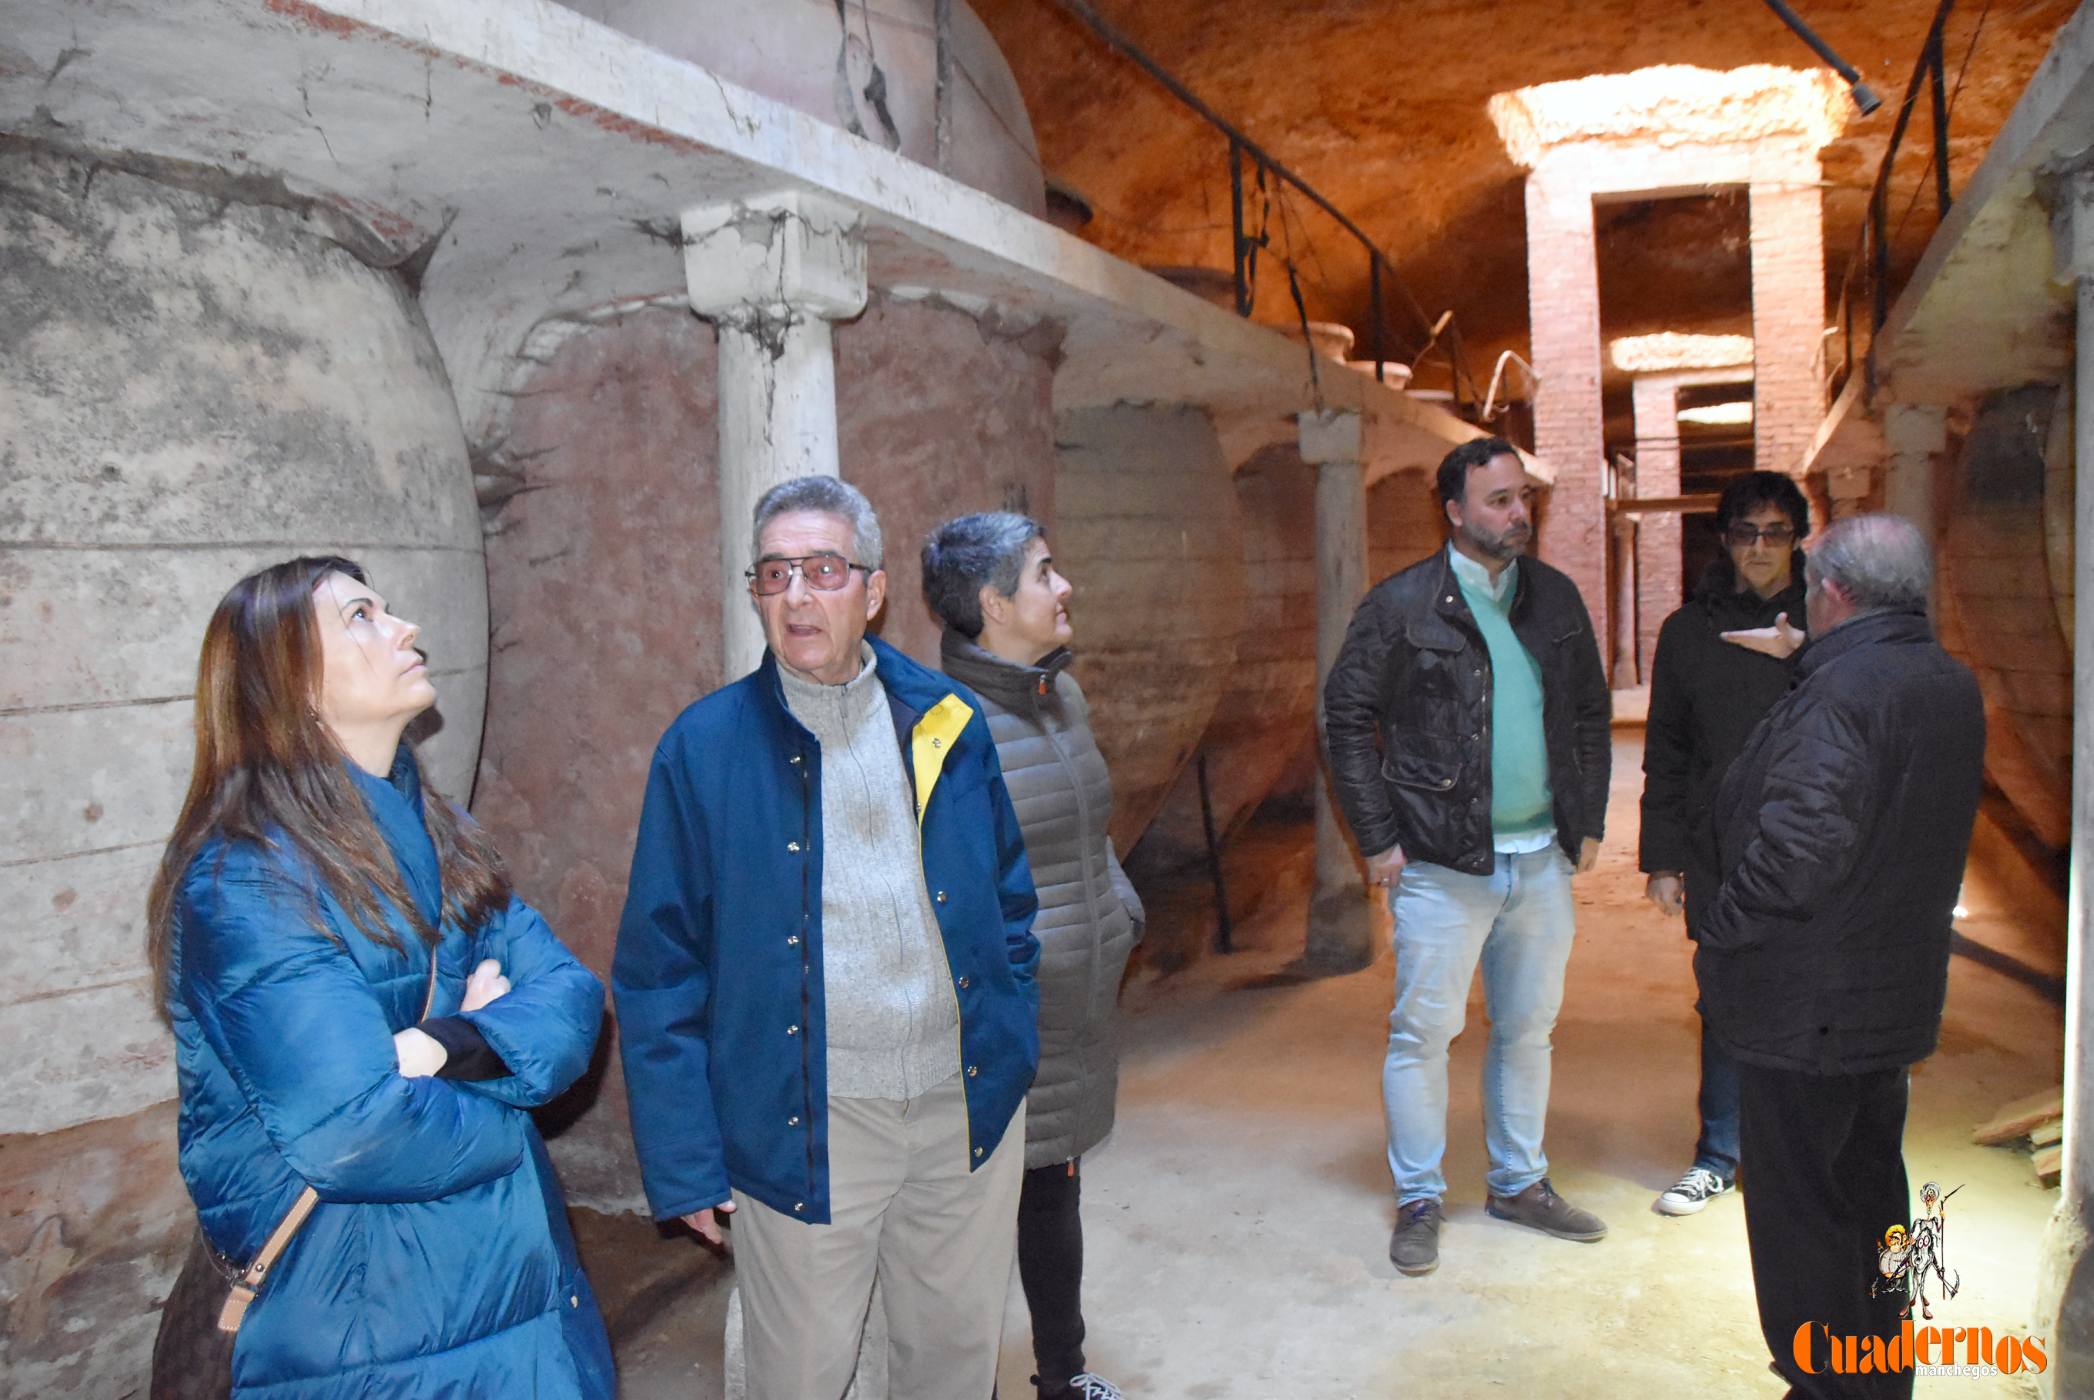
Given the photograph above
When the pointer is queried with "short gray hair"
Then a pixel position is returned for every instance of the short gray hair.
(963, 556)
(1881, 562)
(829, 495)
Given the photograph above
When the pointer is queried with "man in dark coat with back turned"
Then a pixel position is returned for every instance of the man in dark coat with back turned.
(1706, 694)
(1823, 960)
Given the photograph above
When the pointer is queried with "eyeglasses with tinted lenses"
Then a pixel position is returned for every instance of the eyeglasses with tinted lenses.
(824, 573)
(1744, 535)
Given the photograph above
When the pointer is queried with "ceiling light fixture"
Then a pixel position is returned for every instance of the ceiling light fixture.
(1668, 351)
(1719, 415)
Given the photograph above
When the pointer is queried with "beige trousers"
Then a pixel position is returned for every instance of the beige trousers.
(904, 1207)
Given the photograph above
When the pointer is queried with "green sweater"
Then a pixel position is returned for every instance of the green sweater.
(1521, 803)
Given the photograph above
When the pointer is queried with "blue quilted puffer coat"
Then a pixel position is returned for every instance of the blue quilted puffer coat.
(438, 1262)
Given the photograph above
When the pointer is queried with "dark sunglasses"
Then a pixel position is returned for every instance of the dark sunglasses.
(1744, 535)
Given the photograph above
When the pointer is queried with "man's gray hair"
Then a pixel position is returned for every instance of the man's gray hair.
(831, 496)
(963, 556)
(1881, 562)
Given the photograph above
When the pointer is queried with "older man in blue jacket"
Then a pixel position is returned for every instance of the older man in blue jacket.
(824, 980)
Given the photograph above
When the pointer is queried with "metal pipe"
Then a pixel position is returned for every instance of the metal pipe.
(1879, 258)
(1865, 99)
(1941, 124)
(1224, 936)
(1919, 69)
(1243, 290)
(942, 13)
(1374, 338)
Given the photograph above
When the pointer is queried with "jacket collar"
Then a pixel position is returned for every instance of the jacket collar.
(395, 804)
(1895, 628)
(1447, 597)
(1002, 682)
(911, 684)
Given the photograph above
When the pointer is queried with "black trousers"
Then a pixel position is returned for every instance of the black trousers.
(1824, 1156)
(1050, 1268)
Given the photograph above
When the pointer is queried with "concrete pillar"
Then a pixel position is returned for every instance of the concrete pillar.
(1848, 488)
(1628, 671)
(2065, 1275)
(1916, 435)
(1341, 924)
(1788, 317)
(1563, 298)
(1656, 540)
(770, 273)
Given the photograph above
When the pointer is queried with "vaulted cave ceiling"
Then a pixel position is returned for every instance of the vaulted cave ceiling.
(1381, 106)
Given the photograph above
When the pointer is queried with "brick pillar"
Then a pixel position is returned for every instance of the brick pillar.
(1563, 298)
(1788, 317)
(1658, 589)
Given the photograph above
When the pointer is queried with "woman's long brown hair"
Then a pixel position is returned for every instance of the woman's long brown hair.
(268, 771)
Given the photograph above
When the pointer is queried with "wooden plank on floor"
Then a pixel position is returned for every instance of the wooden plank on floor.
(2049, 1164)
(2017, 1118)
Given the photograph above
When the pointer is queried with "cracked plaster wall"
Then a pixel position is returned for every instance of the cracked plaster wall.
(190, 388)
(874, 73)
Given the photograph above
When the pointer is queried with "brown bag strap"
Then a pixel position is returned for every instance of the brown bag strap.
(251, 1279)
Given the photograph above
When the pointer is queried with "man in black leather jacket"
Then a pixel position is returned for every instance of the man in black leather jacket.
(1842, 829)
(1466, 719)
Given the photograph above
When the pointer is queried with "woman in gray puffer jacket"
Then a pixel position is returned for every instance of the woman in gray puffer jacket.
(991, 580)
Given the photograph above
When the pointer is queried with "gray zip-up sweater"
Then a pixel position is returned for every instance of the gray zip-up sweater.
(893, 1025)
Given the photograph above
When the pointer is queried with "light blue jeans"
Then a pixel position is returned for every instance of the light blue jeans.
(1517, 921)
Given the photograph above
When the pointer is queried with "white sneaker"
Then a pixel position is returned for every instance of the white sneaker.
(1692, 1191)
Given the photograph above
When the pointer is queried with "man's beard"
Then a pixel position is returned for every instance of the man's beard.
(1505, 547)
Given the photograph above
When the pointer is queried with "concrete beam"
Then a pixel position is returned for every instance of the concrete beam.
(1980, 311)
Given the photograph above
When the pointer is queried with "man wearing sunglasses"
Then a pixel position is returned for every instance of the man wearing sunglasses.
(824, 980)
(1706, 695)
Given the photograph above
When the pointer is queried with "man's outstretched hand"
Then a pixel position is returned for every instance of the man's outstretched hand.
(1780, 641)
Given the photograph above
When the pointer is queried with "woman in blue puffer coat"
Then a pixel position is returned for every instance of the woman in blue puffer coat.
(314, 890)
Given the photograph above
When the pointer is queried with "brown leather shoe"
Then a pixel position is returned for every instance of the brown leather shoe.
(1415, 1246)
(1540, 1208)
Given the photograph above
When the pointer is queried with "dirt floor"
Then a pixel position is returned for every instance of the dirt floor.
(1237, 1222)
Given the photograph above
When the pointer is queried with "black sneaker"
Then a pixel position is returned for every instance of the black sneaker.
(1691, 1192)
(1081, 1386)
(1414, 1248)
(1540, 1208)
